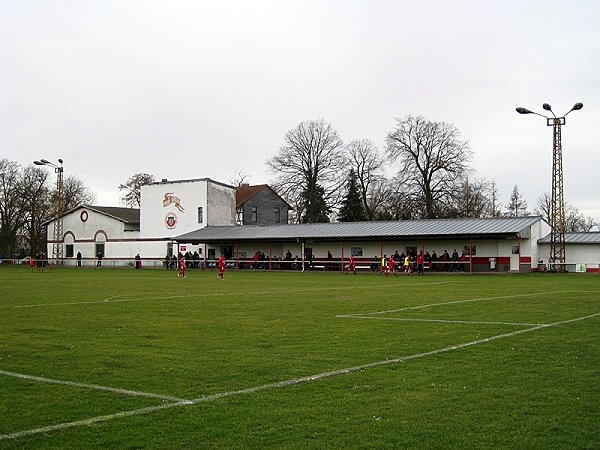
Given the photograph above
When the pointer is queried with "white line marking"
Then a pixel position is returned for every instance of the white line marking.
(91, 386)
(454, 302)
(398, 319)
(285, 383)
(91, 421)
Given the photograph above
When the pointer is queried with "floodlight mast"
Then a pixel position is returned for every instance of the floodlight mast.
(557, 207)
(57, 238)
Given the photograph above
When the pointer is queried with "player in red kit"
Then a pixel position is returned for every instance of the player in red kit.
(391, 266)
(351, 265)
(221, 264)
(182, 266)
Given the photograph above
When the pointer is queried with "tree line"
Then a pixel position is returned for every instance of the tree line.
(424, 172)
(28, 198)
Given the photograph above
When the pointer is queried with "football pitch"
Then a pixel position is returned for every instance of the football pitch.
(130, 359)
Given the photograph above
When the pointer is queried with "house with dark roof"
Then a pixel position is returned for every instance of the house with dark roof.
(260, 205)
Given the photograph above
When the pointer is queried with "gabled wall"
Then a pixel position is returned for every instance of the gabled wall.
(169, 209)
(265, 201)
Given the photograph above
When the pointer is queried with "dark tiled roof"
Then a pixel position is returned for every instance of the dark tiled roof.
(245, 192)
(128, 215)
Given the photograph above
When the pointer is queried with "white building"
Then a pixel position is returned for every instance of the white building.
(168, 209)
(582, 251)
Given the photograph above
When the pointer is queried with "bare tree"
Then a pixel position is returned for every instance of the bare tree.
(367, 164)
(473, 199)
(76, 193)
(433, 155)
(239, 179)
(575, 220)
(11, 212)
(309, 166)
(390, 199)
(132, 188)
(37, 206)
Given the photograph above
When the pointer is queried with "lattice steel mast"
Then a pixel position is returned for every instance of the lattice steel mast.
(557, 207)
(57, 236)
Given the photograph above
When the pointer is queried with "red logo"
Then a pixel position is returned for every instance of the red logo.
(171, 220)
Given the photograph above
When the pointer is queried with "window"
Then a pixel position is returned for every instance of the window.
(515, 249)
(468, 250)
(200, 214)
(100, 248)
(277, 215)
(357, 251)
(69, 250)
(254, 214)
(411, 250)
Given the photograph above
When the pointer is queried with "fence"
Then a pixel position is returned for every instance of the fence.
(331, 265)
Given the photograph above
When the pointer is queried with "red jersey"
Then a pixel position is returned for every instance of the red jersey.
(391, 263)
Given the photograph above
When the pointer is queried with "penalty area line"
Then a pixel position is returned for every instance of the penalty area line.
(286, 383)
(455, 302)
(468, 322)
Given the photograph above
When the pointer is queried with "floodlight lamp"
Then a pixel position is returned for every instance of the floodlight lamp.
(522, 110)
(547, 107)
(577, 106)
(60, 160)
(45, 161)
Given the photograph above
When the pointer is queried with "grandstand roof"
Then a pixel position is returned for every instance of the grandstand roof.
(403, 229)
(591, 237)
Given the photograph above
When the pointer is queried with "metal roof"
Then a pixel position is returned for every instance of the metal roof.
(591, 237)
(404, 229)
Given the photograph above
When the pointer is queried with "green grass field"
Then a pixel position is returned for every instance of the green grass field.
(126, 359)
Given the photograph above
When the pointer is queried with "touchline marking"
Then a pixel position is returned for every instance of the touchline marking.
(399, 319)
(286, 383)
(106, 300)
(96, 387)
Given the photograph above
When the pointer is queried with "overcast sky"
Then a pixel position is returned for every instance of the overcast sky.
(193, 89)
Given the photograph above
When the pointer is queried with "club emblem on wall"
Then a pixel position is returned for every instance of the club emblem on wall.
(171, 220)
(170, 198)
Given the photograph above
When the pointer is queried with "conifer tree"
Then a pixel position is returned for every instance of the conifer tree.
(352, 209)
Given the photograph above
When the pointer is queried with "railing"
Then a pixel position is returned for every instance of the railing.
(327, 265)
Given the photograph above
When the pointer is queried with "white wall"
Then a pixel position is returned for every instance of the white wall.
(170, 208)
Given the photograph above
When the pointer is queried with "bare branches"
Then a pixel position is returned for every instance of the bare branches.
(132, 188)
(433, 154)
(311, 156)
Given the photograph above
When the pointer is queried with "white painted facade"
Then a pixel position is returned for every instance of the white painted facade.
(171, 208)
(168, 209)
